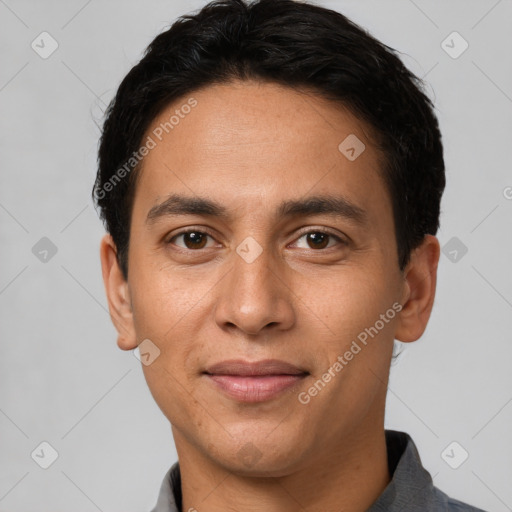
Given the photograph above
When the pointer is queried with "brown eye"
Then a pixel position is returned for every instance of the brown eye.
(317, 240)
(191, 240)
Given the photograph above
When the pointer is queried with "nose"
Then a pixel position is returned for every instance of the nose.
(254, 298)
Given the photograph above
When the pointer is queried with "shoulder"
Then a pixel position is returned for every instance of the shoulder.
(447, 504)
(411, 487)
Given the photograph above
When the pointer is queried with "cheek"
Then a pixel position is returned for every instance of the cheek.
(357, 339)
(172, 309)
(348, 303)
(351, 307)
(164, 310)
(163, 299)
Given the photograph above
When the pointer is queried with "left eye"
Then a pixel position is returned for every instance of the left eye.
(192, 239)
(319, 240)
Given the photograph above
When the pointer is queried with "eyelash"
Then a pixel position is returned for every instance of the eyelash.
(202, 231)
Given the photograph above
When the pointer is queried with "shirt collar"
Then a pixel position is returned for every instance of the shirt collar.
(410, 489)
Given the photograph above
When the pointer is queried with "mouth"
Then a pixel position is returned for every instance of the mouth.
(257, 381)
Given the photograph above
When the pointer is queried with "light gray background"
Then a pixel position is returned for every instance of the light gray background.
(62, 378)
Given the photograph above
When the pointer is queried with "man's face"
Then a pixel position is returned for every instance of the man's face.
(264, 282)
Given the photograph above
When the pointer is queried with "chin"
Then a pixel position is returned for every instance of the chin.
(264, 468)
(259, 456)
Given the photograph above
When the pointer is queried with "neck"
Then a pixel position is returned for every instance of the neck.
(347, 477)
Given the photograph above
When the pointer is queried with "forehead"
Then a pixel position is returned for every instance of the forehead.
(248, 143)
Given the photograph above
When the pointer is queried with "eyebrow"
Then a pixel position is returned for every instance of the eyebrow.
(334, 206)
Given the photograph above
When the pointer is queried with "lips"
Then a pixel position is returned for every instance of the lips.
(254, 381)
(247, 369)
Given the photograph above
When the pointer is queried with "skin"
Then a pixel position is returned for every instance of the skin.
(250, 146)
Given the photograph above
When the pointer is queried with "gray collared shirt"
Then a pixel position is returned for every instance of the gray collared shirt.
(410, 489)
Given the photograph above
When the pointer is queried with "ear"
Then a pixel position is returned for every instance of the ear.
(420, 277)
(118, 295)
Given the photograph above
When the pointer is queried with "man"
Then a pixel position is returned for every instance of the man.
(270, 177)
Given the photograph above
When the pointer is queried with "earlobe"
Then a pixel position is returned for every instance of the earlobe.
(118, 295)
(419, 290)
